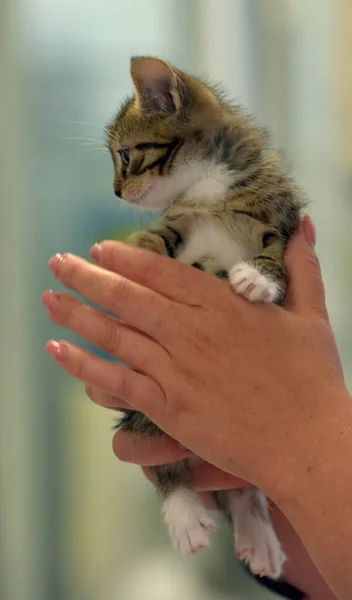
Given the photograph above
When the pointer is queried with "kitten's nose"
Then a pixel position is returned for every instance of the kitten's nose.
(117, 191)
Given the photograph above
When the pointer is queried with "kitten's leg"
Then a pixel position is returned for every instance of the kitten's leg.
(256, 543)
(186, 517)
(160, 239)
(262, 279)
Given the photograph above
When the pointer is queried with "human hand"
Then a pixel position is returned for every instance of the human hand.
(162, 450)
(300, 571)
(211, 369)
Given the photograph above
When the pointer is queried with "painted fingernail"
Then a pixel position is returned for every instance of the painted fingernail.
(309, 231)
(49, 299)
(95, 252)
(57, 350)
(55, 262)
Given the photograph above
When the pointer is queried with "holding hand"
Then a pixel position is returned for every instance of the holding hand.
(256, 390)
(232, 381)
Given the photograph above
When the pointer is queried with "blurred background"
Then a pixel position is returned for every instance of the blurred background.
(74, 523)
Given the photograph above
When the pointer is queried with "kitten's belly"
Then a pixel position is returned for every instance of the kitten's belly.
(213, 241)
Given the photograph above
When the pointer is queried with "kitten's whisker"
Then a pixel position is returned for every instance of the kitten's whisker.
(85, 139)
(84, 123)
(99, 151)
(89, 143)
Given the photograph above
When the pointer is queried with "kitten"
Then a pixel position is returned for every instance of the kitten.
(228, 209)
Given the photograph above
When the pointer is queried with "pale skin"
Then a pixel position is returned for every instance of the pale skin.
(255, 390)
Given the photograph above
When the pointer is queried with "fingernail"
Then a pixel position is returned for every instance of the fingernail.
(54, 263)
(309, 231)
(57, 350)
(49, 299)
(95, 252)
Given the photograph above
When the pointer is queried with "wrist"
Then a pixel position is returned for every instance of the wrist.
(313, 461)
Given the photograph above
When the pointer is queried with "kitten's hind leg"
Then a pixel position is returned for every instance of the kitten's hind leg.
(256, 543)
(187, 519)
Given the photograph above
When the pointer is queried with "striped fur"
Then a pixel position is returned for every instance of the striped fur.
(228, 208)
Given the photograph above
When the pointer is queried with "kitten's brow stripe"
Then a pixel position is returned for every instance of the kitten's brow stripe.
(248, 213)
(159, 162)
(264, 257)
(151, 145)
(173, 153)
(162, 160)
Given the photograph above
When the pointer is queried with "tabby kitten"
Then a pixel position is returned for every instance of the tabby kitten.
(228, 209)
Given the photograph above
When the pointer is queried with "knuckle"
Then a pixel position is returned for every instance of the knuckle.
(122, 388)
(151, 266)
(314, 265)
(80, 368)
(120, 291)
(73, 315)
(175, 407)
(110, 335)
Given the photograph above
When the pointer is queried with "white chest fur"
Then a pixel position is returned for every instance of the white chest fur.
(211, 239)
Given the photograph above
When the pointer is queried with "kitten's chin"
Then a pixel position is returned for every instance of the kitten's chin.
(154, 203)
(148, 202)
(159, 196)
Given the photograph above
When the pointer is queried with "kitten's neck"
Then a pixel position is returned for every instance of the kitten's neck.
(206, 181)
(229, 155)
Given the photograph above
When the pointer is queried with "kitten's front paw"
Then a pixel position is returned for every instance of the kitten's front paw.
(252, 284)
(148, 241)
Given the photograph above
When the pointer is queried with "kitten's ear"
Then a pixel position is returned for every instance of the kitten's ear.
(157, 85)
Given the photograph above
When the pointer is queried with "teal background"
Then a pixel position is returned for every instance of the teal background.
(74, 523)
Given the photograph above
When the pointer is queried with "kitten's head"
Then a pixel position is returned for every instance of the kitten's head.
(162, 140)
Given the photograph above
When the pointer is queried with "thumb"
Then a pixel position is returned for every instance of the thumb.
(305, 284)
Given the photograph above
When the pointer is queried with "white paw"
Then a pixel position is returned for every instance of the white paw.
(188, 521)
(256, 544)
(252, 284)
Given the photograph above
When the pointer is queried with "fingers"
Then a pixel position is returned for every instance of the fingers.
(134, 449)
(147, 451)
(143, 309)
(172, 279)
(306, 288)
(205, 478)
(115, 380)
(106, 400)
(105, 332)
(206, 497)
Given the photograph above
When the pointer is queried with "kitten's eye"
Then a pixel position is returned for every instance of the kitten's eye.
(125, 157)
